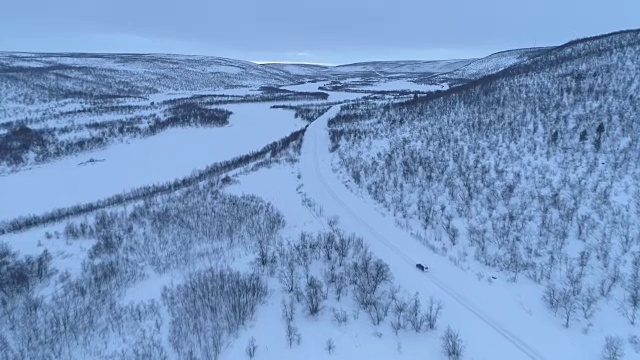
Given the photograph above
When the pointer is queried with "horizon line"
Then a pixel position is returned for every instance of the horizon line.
(261, 62)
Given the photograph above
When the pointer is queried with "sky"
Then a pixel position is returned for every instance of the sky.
(313, 31)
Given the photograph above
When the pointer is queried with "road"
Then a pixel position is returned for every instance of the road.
(493, 326)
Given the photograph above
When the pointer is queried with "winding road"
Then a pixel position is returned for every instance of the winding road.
(492, 325)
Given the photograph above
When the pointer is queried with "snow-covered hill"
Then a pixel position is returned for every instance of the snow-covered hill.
(31, 78)
(298, 69)
(531, 172)
(401, 67)
(490, 64)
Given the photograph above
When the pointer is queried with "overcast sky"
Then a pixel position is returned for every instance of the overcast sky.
(318, 31)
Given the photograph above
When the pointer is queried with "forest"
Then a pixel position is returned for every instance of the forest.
(531, 171)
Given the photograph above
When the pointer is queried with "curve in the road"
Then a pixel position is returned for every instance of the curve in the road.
(312, 135)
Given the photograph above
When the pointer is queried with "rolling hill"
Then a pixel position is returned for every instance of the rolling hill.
(401, 67)
(31, 78)
(373, 68)
(531, 172)
(298, 69)
(489, 65)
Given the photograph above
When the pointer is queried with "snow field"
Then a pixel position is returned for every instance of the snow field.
(169, 155)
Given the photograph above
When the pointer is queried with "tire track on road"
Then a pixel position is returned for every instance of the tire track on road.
(510, 337)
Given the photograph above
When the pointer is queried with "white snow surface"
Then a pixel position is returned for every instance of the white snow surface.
(355, 340)
(171, 154)
(495, 321)
(306, 87)
(333, 95)
(66, 255)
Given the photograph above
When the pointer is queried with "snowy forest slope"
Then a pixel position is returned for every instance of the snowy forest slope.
(490, 64)
(533, 171)
(399, 67)
(28, 78)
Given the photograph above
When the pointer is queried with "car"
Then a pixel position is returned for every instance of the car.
(422, 267)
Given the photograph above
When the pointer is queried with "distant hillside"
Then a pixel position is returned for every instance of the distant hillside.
(491, 64)
(395, 67)
(532, 171)
(27, 78)
(297, 69)
(402, 67)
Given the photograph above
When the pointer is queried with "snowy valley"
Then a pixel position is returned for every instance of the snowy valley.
(192, 207)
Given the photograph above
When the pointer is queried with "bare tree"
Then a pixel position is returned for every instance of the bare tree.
(399, 309)
(585, 226)
(603, 248)
(340, 285)
(378, 309)
(478, 237)
(340, 316)
(588, 301)
(216, 343)
(333, 224)
(303, 252)
(515, 262)
(313, 295)
(551, 298)
(613, 348)
(396, 325)
(634, 341)
(451, 230)
(330, 346)
(426, 209)
(452, 344)
(329, 273)
(414, 315)
(292, 334)
(368, 276)
(583, 261)
(502, 229)
(328, 244)
(623, 228)
(251, 348)
(288, 275)
(631, 300)
(264, 246)
(610, 279)
(434, 307)
(288, 309)
(568, 305)
(574, 278)
(343, 245)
